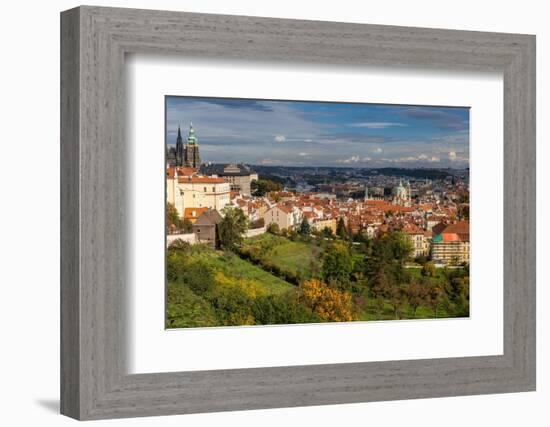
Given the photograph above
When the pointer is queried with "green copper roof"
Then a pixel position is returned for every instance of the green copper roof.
(191, 138)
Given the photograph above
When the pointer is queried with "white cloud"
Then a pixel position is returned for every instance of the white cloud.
(378, 150)
(375, 125)
(302, 154)
(366, 159)
(452, 156)
(352, 159)
(412, 159)
(279, 138)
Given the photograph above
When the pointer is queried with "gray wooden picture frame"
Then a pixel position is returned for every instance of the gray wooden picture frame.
(94, 41)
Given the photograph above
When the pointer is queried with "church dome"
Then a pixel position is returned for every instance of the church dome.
(399, 191)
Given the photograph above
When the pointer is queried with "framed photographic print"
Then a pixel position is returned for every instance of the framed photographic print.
(262, 213)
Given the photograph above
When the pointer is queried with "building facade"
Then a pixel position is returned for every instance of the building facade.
(238, 175)
(185, 189)
(205, 228)
(451, 243)
(283, 216)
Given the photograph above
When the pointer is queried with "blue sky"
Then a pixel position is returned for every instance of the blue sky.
(295, 133)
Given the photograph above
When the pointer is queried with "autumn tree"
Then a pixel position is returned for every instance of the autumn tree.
(329, 304)
(435, 297)
(172, 216)
(232, 227)
(417, 294)
(397, 298)
(380, 286)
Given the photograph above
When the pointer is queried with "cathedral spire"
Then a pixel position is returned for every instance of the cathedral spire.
(179, 148)
(192, 138)
(191, 153)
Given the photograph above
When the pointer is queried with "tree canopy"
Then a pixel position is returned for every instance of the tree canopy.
(261, 187)
(232, 227)
(337, 264)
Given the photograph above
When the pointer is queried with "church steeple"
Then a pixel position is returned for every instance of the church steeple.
(192, 138)
(179, 149)
(191, 153)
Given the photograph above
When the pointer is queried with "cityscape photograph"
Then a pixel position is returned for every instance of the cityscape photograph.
(294, 212)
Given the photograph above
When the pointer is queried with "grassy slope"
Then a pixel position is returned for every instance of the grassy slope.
(233, 266)
(371, 312)
(296, 257)
(185, 309)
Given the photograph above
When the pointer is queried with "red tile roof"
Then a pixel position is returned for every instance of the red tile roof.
(182, 171)
(191, 213)
(201, 180)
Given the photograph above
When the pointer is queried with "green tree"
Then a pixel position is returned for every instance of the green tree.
(184, 309)
(459, 295)
(187, 226)
(305, 228)
(327, 232)
(273, 228)
(232, 305)
(282, 309)
(429, 270)
(232, 227)
(341, 229)
(261, 187)
(172, 216)
(337, 264)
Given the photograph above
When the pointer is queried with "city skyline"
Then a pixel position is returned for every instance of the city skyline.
(303, 133)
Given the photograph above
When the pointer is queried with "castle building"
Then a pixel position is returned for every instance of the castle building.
(238, 175)
(187, 189)
(187, 155)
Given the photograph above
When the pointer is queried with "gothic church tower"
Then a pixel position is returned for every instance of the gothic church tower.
(192, 158)
(179, 149)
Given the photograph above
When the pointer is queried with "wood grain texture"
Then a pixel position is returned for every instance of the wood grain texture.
(94, 242)
(70, 291)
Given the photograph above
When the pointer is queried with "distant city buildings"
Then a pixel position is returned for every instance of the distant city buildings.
(431, 213)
